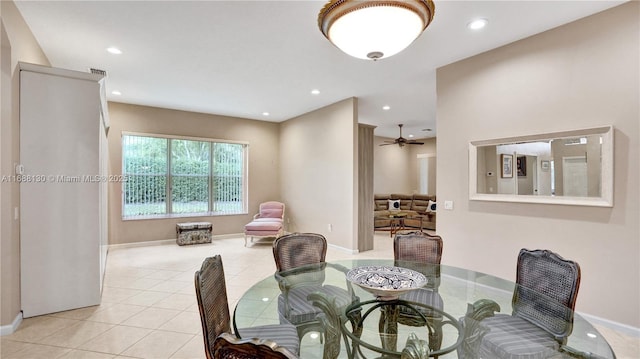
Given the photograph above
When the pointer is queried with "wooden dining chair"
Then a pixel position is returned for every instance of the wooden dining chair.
(292, 251)
(421, 252)
(542, 318)
(213, 306)
(228, 346)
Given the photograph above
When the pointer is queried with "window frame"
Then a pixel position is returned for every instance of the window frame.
(168, 178)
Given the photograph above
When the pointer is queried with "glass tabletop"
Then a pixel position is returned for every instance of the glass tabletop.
(458, 288)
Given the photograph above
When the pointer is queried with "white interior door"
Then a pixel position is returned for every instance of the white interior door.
(574, 176)
(427, 174)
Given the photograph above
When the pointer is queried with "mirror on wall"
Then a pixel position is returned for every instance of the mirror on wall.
(570, 167)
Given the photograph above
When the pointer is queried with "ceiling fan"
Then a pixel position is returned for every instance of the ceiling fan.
(401, 141)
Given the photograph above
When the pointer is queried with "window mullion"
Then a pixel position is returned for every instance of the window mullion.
(211, 174)
(169, 180)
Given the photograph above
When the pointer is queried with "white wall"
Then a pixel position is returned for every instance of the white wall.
(395, 168)
(584, 74)
(18, 44)
(319, 172)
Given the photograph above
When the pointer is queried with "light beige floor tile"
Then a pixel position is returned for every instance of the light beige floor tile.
(176, 301)
(36, 351)
(82, 313)
(34, 329)
(76, 335)
(194, 349)
(164, 274)
(171, 286)
(185, 322)
(194, 307)
(151, 318)
(146, 298)
(115, 340)
(83, 354)
(141, 283)
(125, 271)
(158, 345)
(117, 295)
(190, 289)
(186, 276)
(9, 347)
(116, 313)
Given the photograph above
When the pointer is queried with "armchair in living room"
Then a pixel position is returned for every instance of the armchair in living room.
(268, 222)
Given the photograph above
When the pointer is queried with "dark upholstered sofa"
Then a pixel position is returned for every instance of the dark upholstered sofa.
(413, 205)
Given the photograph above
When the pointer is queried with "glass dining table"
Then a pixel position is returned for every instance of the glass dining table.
(369, 326)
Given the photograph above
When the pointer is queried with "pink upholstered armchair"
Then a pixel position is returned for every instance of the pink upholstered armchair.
(266, 223)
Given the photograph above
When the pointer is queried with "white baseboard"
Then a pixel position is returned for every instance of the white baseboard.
(618, 327)
(11, 328)
(343, 249)
(169, 241)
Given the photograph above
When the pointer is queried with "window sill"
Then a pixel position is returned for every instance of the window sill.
(182, 215)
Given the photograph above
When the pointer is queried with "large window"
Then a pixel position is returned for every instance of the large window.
(168, 176)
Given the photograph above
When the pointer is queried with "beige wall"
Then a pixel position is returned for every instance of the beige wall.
(264, 180)
(319, 172)
(584, 74)
(18, 44)
(395, 168)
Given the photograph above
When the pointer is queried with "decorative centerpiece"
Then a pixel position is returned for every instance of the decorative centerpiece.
(386, 282)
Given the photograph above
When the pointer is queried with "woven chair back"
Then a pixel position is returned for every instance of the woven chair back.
(227, 346)
(546, 291)
(298, 249)
(213, 304)
(421, 252)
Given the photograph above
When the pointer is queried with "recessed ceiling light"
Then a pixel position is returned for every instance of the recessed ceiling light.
(265, 114)
(116, 92)
(114, 50)
(477, 24)
(315, 92)
(386, 107)
(410, 136)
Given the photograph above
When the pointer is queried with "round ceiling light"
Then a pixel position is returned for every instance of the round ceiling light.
(374, 29)
(477, 24)
(114, 50)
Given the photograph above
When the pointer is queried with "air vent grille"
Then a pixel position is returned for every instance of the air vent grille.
(98, 72)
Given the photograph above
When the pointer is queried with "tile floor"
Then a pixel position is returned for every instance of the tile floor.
(149, 308)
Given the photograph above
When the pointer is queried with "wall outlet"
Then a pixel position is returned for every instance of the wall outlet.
(330, 227)
(16, 213)
(448, 205)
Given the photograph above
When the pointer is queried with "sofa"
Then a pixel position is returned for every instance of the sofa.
(413, 205)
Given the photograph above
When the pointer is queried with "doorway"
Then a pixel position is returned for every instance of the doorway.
(427, 174)
(574, 176)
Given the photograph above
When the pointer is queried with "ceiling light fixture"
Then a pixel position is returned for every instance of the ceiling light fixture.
(114, 50)
(477, 24)
(116, 92)
(374, 29)
(265, 114)
(315, 92)
(386, 107)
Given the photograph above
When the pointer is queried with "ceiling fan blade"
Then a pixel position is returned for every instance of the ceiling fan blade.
(415, 142)
(386, 144)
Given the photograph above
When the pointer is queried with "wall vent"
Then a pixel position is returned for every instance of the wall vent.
(98, 72)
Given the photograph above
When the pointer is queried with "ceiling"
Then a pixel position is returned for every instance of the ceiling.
(244, 58)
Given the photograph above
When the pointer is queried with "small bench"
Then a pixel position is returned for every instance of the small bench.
(193, 233)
